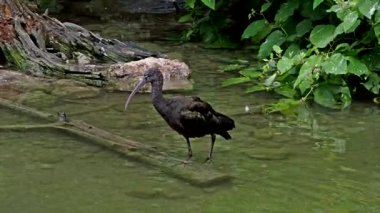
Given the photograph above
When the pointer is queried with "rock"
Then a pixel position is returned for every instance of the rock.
(118, 77)
(176, 73)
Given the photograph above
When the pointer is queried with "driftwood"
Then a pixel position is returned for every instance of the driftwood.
(41, 45)
(198, 175)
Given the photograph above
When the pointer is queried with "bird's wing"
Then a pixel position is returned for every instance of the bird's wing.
(200, 106)
(196, 112)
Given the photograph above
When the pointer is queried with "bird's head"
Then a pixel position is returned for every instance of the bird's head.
(150, 76)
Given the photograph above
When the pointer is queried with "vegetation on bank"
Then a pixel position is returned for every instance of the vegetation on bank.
(322, 51)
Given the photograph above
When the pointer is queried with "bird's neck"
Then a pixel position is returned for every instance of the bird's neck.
(157, 91)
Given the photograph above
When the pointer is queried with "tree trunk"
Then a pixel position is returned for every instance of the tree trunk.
(41, 45)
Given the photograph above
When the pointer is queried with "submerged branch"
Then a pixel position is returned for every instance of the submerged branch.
(195, 174)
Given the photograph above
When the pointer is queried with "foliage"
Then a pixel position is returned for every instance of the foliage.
(322, 51)
(206, 24)
(54, 6)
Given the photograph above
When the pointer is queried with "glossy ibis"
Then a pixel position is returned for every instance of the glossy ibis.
(189, 116)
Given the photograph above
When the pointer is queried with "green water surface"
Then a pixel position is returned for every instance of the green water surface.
(324, 161)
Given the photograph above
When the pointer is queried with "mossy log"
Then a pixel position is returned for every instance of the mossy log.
(42, 45)
(195, 174)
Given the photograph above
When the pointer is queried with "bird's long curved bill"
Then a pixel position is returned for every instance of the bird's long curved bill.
(136, 89)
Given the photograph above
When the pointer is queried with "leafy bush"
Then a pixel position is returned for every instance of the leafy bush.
(325, 51)
(207, 25)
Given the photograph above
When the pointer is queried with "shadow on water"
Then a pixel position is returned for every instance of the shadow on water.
(327, 161)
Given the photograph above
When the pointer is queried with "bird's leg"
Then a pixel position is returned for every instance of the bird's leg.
(189, 151)
(209, 157)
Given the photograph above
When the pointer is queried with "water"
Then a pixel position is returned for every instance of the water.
(325, 161)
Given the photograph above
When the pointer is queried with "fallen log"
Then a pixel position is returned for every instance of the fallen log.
(195, 174)
(43, 46)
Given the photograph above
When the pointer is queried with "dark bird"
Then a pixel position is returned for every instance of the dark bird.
(189, 116)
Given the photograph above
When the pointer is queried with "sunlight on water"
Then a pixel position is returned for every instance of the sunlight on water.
(325, 161)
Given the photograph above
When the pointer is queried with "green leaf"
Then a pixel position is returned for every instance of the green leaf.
(185, 18)
(376, 28)
(277, 49)
(303, 27)
(269, 81)
(342, 47)
(356, 67)
(349, 20)
(190, 3)
(284, 64)
(347, 27)
(285, 106)
(339, 30)
(373, 83)
(232, 67)
(234, 81)
(307, 11)
(316, 3)
(250, 72)
(322, 35)
(336, 64)
(299, 57)
(345, 96)
(292, 50)
(265, 7)
(275, 38)
(305, 78)
(254, 28)
(286, 10)
(377, 17)
(189, 33)
(324, 96)
(256, 88)
(332, 96)
(291, 37)
(209, 3)
(286, 91)
(372, 59)
(354, 26)
(335, 8)
(340, 10)
(367, 7)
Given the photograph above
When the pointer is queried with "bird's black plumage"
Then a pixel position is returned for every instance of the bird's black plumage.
(189, 116)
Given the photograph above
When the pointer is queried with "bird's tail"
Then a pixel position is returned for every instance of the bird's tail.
(224, 124)
(225, 135)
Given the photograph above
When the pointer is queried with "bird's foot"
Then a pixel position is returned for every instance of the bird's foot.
(184, 162)
(208, 160)
(187, 162)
